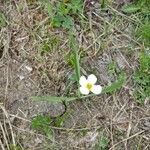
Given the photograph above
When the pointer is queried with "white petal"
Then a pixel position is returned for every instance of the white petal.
(84, 90)
(92, 79)
(97, 89)
(82, 81)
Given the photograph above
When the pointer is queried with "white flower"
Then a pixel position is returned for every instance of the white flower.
(88, 85)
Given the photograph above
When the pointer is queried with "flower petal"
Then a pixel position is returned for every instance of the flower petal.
(92, 79)
(97, 89)
(84, 90)
(82, 81)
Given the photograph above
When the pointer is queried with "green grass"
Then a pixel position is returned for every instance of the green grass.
(141, 79)
(3, 20)
(62, 14)
(42, 124)
(143, 33)
(140, 9)
(12, 147)
(117, 85)
(76, 61)
(103, 141)
(138, 6)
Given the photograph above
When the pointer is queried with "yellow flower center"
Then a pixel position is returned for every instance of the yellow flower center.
(89, 86)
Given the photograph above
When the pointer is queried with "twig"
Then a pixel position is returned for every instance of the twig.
(1, 144)
(7, 116)
(127, 139)
(4, 135)
(123, 15)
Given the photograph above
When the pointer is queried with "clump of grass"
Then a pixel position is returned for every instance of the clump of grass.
(144, 33)
(142, 79)
(141, 8)
(103, 142)
(138, 6)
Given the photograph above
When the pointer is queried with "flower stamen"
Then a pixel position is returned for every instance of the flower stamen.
(89, 86)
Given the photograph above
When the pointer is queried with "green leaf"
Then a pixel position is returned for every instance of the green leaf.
(132, 8)
(57, 20)
(53, 99)
(42, 123)
(62, 9)
(116, 85)
(75, 48)
(68, 22)
(76, 6)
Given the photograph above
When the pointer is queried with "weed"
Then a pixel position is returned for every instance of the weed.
(42, 123)
(103, 142)
(64, 13)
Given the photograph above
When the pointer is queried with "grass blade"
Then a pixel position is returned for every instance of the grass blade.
(74, 47)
